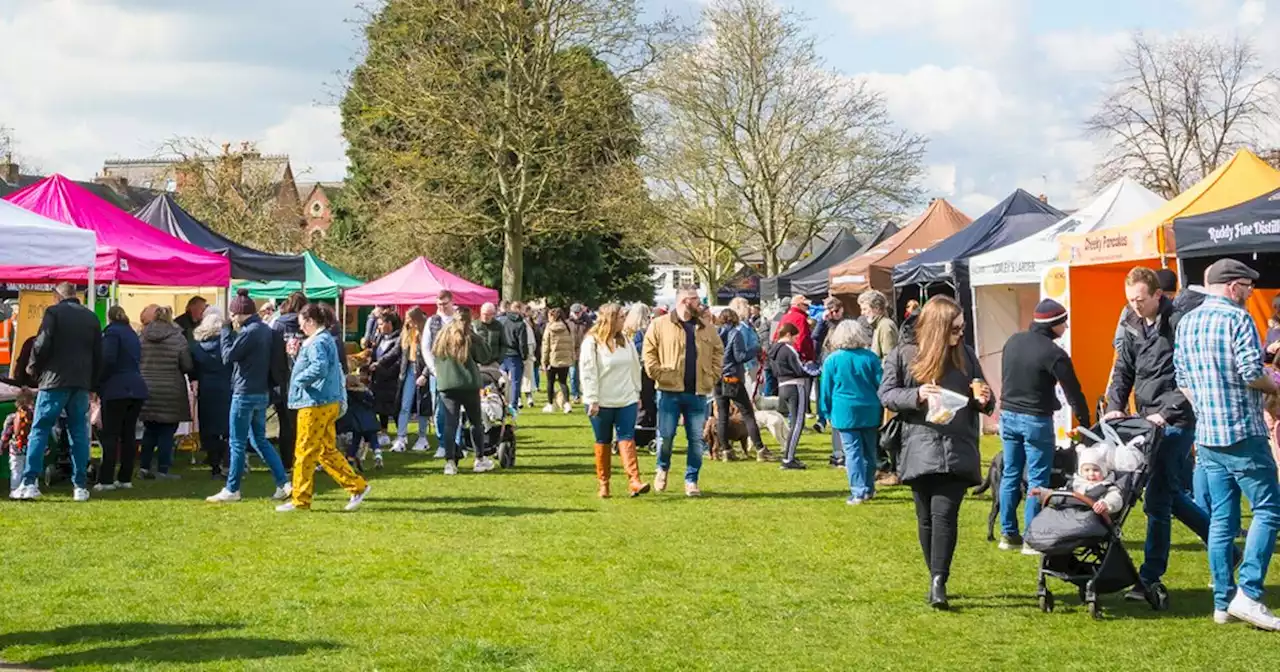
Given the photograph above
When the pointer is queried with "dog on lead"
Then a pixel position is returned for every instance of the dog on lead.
(721, 447)
(1064, 464)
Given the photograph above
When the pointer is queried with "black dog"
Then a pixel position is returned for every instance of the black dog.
(1064, 464)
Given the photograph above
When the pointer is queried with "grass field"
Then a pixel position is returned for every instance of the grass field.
(527, 570)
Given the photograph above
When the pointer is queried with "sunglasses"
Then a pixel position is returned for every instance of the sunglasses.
(957, 330)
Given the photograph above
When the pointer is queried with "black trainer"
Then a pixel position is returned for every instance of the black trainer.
(1011, 542)
(792, 465)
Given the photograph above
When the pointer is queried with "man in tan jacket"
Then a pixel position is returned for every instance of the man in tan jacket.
(683, 355)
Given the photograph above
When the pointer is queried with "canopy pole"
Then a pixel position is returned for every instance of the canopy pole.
(342, 319)
(114, 299)
(91, 296)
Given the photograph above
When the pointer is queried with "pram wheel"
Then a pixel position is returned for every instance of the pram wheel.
(1046, 602)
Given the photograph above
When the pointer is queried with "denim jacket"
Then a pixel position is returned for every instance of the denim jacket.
(317, 377)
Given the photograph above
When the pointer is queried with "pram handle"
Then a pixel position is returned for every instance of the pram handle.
(1047, 495)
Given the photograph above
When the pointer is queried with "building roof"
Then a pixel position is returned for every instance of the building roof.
(125, 197)
(305, 188)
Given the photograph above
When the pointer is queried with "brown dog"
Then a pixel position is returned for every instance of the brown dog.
(721, 447)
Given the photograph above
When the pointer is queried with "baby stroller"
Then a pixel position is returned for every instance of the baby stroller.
(1085, 548)
(499, 426)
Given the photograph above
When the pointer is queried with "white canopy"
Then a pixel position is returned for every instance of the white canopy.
(28, 239)
(1024, 262)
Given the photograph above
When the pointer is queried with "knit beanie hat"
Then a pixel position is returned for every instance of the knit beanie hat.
(242, 304)
(1168, 280)
(1095, 455)
(1050, 312)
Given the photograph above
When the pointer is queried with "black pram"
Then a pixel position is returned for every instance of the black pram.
(1082, 547)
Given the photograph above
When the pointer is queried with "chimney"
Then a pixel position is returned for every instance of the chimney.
(9, 171)
(1043, 199)
(226, 148)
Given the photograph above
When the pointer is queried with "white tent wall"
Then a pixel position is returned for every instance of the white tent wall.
(1000, 311)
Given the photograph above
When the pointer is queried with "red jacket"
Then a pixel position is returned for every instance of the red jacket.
(804, 341)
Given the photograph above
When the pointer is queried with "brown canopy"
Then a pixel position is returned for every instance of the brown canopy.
(874, 268)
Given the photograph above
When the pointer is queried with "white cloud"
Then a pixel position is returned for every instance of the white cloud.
(932, 100)
(940, 179)
(314, 133)
(986, 27)
(1252, 13)
(976, 204)
(1082, 52)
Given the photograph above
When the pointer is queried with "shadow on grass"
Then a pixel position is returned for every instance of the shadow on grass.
(183, 651)
(481, 511)
(790, 494)
(90, 632)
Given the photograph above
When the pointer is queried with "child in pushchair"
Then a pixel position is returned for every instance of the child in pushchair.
(359, 424)
(499, 426)
(1078, 531)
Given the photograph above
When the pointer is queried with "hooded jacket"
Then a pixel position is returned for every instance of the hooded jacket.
(515, 335)
(804, 340)
(1032, 365)
(248, 352)
(166, 358)
(557, 346)
(213, 400)
(121, 354)
(494, 336)
(1144, 367)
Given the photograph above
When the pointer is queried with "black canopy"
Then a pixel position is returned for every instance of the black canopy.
(1247, 228)
(246, 263)
(811, 278)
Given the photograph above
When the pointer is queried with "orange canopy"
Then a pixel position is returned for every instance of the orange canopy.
(874, 269)
(1150, 236)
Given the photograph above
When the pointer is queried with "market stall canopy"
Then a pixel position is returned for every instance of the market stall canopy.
(1024, 262)
(801, 279)
(1013, 219)
(418, 283)
(164, 213)
(32, 241)
(129, 251)
(873, 269)
(1150, 236)
(1252, 226)
(322, 282)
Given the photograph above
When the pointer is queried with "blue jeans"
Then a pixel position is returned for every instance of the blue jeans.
(249, 424)
(1243, 468)
(623, 419)
(537, 375)
(1167, 497)
(49, 407)
(575, 385)
(157, 437)
(409, 405)
(672, 405)
(1028, 444)
(770, 384)
(860, 460)
(513, 366)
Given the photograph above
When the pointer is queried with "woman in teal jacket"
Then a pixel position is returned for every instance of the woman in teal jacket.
(850, 381)
(317, 391)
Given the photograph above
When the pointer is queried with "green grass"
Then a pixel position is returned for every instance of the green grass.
(527, 570)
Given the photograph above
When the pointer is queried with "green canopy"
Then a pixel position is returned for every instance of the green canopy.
(323, 282)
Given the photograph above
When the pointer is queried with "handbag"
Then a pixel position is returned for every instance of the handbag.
(891, 437)
(730, 386)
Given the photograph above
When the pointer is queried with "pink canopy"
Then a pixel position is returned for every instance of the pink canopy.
(417, 283)
(130, 251)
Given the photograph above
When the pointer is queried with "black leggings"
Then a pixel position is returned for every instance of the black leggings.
(455, 402)
(119, 439)
(748, 416)
(938, 498)
(560, 373)
(796, 398)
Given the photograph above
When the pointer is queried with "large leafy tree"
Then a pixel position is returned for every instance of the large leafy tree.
(491, 122)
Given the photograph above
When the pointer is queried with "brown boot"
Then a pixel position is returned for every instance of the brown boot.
(604, 464)
(627, 449)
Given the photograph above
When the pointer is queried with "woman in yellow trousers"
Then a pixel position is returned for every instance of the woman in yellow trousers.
(317, 391)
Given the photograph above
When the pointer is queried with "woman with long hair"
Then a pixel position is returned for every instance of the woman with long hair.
(122, 392)
(213, 390)
(414, 395)
(733, 386)
(317, 392)
(557, 357)
(610, 372)
(634, 328)
(458, 352)
(166, 359)
(384, 370)
(940, 458)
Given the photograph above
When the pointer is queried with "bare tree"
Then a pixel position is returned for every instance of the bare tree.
(1181, 107)
(750, 122)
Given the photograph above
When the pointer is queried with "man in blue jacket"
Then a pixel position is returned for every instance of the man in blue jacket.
(248, 345)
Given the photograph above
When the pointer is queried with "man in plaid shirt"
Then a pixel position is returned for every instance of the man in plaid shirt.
(1218, 364)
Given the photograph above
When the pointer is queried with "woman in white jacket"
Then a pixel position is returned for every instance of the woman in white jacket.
(610, 371)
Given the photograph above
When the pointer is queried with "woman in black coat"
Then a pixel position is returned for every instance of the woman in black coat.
(939, 461)
(122, 392)
(384, 371)
(213, 392)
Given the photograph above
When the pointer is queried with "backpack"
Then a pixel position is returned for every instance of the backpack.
(751, 341)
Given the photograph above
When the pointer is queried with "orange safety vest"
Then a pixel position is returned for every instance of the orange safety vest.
(6, 342)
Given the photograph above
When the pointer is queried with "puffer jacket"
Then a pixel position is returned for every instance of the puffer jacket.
(385, 381)
(798, 318)
(929, 448)
(213, 398)
(1144, 366)
(166, 358)
(557, 346)
(664, 354)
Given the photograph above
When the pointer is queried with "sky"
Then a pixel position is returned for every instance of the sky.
(1000, 87)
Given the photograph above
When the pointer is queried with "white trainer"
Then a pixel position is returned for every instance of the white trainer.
(548, 409)
(482, 465)
(224, 496)
(283, 492)
(383, 439)
(356, 500)
(440, 453)
(400, 445)
(421, 445)
(25, 492)
(451, 468)
(568, 408)
(1252, 612)
(287, 507)
(1027, 550)
(120, 485)
(80, 495)
(1221, 617)
(104, 487)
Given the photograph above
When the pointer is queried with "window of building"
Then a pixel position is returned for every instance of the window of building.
(317, 208)
(171, 185)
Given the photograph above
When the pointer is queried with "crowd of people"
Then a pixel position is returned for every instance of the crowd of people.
(901, 401)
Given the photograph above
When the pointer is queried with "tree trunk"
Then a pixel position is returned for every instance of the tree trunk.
(513, 259)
